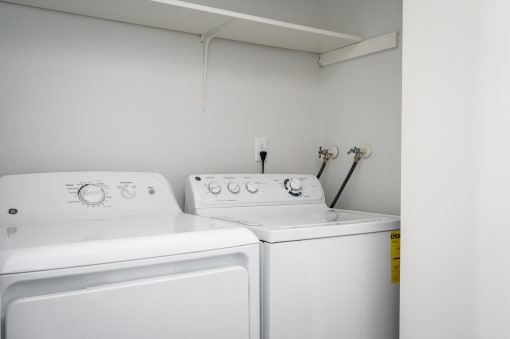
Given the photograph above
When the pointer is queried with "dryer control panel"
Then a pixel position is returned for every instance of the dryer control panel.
(98, 192)
(46, 197)
(229, 190)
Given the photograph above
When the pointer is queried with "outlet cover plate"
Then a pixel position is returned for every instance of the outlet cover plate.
(260, 145)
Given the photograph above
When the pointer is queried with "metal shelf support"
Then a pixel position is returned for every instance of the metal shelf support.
(205, 39)
(365, 47)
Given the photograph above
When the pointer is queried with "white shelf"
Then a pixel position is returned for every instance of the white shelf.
(192, 18)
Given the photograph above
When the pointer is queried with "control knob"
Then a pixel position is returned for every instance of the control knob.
(214, 187)
(293, 186)
(91, 194)
(128, 192)
(233, 187)
(252, 187)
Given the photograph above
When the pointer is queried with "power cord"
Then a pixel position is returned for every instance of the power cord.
(263, 155)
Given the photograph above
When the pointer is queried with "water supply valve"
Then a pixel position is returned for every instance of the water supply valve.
(361, 152)
(328, 153)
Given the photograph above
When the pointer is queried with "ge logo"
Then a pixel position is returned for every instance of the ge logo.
(13, 211)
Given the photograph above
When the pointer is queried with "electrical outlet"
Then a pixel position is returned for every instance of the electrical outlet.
(260, 145)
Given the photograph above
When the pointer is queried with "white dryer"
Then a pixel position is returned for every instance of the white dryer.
(110, 255)
(326, 273)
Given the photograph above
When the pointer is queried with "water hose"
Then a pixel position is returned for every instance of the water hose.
(357, 158)
(326, 154)
(322, 169)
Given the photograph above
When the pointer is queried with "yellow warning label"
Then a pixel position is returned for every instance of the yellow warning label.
(395, 256)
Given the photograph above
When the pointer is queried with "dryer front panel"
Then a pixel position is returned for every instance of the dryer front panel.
(189, 305)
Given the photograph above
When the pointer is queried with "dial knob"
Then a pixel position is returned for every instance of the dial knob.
(91, 194)
(251, 187)
(233, 187)
(128, 192)
(295, 185)
(214, 187)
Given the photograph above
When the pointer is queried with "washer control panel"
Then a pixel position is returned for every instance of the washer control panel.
(222, 190)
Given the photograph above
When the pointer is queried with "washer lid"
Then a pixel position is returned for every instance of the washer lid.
(44, 246)
(289, 223)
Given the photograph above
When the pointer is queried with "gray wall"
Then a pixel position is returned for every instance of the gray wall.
(78, 93)
(361, 104)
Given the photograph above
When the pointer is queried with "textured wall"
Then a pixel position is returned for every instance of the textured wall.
(79, 93)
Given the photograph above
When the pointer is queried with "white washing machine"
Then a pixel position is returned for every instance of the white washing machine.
(108, 255)
(326, 273)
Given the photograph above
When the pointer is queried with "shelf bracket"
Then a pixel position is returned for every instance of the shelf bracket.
(205, 39)
(362, 48)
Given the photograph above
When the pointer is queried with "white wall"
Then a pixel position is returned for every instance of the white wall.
(79, 93)
(361, 104)
(455, 279)
(493, 138)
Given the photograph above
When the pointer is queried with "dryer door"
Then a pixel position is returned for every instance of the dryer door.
(206, 304)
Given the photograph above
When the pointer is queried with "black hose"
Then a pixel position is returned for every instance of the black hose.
(339, 193)
(322, 169)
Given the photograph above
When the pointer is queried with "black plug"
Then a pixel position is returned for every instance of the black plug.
(263, 155)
